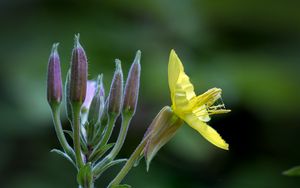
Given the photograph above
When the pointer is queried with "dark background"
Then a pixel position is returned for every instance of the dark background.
(248, 48)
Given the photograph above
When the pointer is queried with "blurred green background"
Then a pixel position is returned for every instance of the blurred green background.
(248, 48)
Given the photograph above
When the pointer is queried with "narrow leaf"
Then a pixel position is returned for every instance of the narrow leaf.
(63, 154)
(97, 154)
(110, 164)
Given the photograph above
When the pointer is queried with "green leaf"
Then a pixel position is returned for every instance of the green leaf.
(121, 186)
(64, 155)
(98, 153)
(85, 175)
(110, 164)
(295, 171)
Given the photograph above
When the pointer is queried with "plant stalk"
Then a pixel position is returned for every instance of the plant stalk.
(129, 164)
(59, 132)
(76, 134)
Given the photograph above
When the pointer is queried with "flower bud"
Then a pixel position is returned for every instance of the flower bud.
(97, 104)
(132, 85)
(54, 82)
(116, 91)
(161, 130)
(78, 79)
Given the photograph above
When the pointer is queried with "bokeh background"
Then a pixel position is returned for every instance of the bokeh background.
(248, 48)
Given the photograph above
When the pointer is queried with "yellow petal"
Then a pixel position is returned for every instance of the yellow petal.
(182, 91)
(206, 131)
(174, 69)
(208, 98)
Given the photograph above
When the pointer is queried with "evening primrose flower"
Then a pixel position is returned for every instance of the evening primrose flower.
(186, 107)
(194, 110)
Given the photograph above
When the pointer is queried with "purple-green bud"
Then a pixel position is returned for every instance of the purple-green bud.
(132, 85)
(116, 91)
(79, 70)
(54, 82)
(97, 104)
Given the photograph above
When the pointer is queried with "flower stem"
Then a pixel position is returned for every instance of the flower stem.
(59, 132)
(87, 186)
(122, 135)
(76, 133)
(98, 169)
(129, 164)
(108, 132)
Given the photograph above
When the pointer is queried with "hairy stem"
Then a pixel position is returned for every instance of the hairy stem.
(76, 134)
(59, 132)
(114, 152)
(129, 164)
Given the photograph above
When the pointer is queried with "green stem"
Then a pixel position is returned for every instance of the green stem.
(121, 138)
(109, 130)
(129, 164)
(76, 133)
(98, 169)
(87, 186)
(59, 132)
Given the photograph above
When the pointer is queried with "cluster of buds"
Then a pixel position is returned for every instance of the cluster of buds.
(91, 114)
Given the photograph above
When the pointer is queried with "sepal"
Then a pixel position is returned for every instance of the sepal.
(161, 130)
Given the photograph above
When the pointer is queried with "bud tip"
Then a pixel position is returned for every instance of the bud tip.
(118, 65)
(54, 48)
(76, 41)
(137, 57)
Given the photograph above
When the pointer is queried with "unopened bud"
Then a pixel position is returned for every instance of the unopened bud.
(54, 82)
(132, 85)
(97, 104)
(116, 91)
(161, 130)
(78, 79)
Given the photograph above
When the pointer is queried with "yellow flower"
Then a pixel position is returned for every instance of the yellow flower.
(194, 110)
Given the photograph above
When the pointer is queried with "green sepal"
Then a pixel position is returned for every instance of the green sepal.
(121, 186)
(98, 153)
(64, 155)
(295, 171)
(108, 165)
(85, 175)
